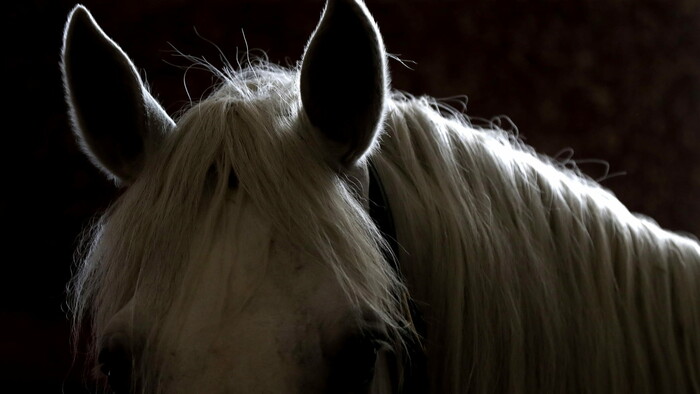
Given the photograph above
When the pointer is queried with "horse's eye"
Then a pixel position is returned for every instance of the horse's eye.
(213, 174)
(116, 362)
(352, 368)
(232, 180)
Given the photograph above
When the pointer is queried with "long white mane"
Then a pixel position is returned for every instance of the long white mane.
(531, 278)
(534, 278)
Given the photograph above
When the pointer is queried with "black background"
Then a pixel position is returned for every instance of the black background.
(617, 81)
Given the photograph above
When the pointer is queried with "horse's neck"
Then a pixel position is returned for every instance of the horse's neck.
(506, 255)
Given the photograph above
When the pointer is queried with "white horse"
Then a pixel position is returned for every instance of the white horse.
(253, 249)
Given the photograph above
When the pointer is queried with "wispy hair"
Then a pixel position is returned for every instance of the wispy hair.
(250, 132)
(533, 278)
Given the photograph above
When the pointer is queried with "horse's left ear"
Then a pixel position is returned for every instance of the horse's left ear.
(344, 80)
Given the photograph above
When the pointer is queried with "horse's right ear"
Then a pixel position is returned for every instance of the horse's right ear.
(117, 121)
(344, 81)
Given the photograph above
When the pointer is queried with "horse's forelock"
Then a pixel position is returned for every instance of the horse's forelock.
(250, 127)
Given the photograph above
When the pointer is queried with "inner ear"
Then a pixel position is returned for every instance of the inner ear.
(343, 80)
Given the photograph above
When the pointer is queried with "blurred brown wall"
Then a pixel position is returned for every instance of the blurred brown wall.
(617, 81)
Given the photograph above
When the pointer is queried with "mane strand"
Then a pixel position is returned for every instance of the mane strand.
(540, 279)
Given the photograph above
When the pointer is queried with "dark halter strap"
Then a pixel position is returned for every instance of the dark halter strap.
(380, 211)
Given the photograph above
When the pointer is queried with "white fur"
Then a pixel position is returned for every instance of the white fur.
(532, 278)
(237, 289)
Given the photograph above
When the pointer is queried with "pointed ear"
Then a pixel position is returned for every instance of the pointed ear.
(117, 121)
(344, 80)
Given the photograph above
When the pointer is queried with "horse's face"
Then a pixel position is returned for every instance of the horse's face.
(249, 306)
(256, 317)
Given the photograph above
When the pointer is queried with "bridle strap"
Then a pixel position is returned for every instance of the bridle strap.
(380, 212)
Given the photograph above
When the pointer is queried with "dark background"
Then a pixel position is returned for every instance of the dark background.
(617, 81)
